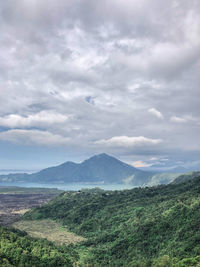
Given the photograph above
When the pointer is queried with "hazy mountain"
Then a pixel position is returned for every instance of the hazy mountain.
(100, 168)
(162, 178)
(186, 177)
(14, 177)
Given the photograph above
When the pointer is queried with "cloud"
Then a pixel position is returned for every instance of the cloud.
(178, 119)
(88, 70)
(125, 141)
(33, 137)
(40, 119)
(183, 119)
(140, 164)
(156, 113)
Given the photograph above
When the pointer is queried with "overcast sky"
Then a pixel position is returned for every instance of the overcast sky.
(79, 78)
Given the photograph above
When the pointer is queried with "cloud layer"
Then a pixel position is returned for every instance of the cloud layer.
(113, 76)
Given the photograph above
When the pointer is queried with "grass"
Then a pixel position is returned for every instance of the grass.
(50, 230)
(21, 212)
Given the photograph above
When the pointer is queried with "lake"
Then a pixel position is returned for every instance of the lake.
(72, 186)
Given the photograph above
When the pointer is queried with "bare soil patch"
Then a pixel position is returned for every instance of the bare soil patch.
(50, 230)
(13, 205)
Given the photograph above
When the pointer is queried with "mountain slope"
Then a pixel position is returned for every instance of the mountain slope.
(19, 249)
(157, 226)
(185, 177)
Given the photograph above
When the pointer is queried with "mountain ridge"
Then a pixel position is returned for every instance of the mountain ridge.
(98, 168)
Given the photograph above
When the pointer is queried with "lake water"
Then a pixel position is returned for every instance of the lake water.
(72, 186)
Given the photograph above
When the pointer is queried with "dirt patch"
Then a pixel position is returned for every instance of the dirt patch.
(12, 206)
(50, 230)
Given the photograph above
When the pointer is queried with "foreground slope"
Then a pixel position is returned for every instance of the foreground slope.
(157, 226)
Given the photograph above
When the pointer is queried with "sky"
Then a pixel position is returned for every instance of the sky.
(79, 78)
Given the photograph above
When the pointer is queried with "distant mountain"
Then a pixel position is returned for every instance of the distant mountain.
(162, 178)
(14, 177)
(169, 169)
(100, 168)
(186, 177)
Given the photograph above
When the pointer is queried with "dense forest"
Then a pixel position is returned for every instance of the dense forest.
(18, 249)
(153, 226)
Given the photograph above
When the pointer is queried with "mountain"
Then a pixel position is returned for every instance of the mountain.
(100, 168)
(14, 177)
(162, 178)
(186, 177)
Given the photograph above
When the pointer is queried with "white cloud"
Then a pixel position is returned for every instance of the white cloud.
(177, 119)
(183, 119)
(31, 137)
(125, 141)
(156, 113)
(41, 119)
(154, 158)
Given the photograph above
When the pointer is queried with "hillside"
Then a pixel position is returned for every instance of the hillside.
(19, 249)
(185, 177)
(157, 226)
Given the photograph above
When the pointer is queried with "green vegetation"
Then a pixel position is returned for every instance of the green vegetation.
(185, 177)
(48, 229)
(18, 249)
(157, 226)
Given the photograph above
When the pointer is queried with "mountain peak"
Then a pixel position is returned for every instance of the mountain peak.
(102, 155)
(99, 156)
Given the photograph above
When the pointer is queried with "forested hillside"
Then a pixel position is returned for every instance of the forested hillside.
(185, 177)
(18, 249)
(157, 226)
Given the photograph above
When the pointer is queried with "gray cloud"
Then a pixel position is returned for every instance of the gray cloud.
(128, 142)
(35, 137)
(89, 72)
